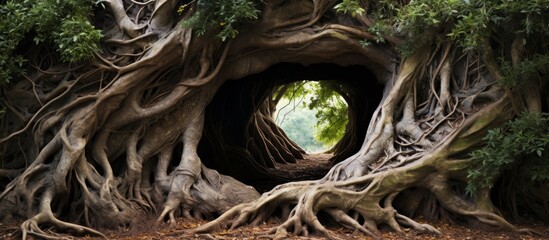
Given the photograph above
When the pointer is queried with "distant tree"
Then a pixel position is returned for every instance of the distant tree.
(330, 110)
(300, 125)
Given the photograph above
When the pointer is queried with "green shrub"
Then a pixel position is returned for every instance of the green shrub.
(64, 22)
(224, 16)
(525, 70)
(465, 22)
(77, 39)
(349, 7)
(520, 145)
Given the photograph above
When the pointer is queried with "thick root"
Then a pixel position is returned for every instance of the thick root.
(340, 204)
(32, 227)
(423, 228)
(179, 195)
(45, 216)
(207, 194)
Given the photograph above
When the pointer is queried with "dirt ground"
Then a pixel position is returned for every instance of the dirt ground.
(312, 168)
(449, 232)
(153, 231)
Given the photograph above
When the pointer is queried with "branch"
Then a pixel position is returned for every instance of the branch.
(122, 19)
(161, 18)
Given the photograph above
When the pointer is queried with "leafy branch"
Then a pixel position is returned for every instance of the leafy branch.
(224, 16)
(65, 22)
(349, 7)
(522, 145)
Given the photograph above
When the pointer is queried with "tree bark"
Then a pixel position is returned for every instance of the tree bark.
(119, 136)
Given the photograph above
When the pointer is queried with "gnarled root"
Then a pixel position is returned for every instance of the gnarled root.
(45, 216)
(205, 194)
(179, 195)
(355, 210)
(476, 209)
(31, 227)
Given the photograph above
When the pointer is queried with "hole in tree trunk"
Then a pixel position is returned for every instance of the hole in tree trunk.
(238, 141)
(309, 117)
(311, 113)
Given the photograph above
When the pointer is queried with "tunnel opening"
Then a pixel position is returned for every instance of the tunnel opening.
(251, 147)
(312, 113)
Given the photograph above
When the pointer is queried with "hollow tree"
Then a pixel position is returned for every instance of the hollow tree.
(117, 136)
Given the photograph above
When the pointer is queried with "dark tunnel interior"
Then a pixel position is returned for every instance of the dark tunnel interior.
(223, 145)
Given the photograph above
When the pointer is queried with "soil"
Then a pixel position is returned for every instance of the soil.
(314, 167)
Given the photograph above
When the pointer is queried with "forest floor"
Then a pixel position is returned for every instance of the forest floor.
(314, 167)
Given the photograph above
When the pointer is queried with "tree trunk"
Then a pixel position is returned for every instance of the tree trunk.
(118, 137)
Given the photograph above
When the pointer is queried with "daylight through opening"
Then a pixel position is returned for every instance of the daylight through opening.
(312, 113)
(242, 138)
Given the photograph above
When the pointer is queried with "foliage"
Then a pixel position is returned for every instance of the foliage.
(64, 22)
(332, 113)
(77, 39)
(295, 118)
(477, 19)
(466, 22)
(299, 122)
(227, 16)
(328, 107)
(522, 145)
(526, 69)
(349, 6)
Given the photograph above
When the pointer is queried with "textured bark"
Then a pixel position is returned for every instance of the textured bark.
(118, 137)
(273, 143)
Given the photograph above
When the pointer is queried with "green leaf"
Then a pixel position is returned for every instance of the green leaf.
(518, 146)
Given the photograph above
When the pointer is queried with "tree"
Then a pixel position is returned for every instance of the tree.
(312, 113)
(118, 135)
(332, 112)
(299, 124)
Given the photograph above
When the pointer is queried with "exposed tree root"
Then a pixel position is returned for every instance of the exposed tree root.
(350, 190)
(45, 216)
(309, 199)
(110, 142)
